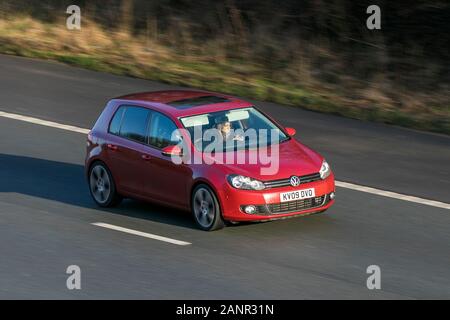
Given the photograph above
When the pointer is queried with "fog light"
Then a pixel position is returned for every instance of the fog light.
(250, 209)
(332, 195)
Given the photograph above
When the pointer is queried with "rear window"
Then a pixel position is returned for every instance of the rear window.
(114, 127)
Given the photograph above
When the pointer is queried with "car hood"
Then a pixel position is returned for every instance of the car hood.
(293, 158)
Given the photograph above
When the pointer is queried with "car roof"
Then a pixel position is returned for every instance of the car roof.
(182, 103)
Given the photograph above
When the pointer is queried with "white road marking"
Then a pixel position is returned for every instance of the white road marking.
(43, 122)
(340, 184)
(394, 195)
(141, 234)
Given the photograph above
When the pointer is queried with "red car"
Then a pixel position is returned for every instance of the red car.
(132, 147)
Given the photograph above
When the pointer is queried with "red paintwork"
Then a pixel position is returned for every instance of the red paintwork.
(143, 172)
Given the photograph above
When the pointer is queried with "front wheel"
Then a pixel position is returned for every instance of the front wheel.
(206, 209)
(102, 186)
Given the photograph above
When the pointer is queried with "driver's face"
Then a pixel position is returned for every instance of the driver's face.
(225, 127)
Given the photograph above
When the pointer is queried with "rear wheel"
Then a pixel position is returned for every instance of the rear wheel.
(206, 209)
(102, 186)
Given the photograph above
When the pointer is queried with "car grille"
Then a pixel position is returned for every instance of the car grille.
(287, 182)
(291, 206)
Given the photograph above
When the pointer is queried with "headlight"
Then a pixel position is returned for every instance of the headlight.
(325, 170)
(246, 183)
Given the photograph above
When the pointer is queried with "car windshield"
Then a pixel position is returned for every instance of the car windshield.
(235, 129)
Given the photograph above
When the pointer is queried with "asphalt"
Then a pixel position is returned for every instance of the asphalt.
(46, 213)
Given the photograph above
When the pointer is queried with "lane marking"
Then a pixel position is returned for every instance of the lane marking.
(394, 195)
(141, 234)
(43, 122)
(340, 184)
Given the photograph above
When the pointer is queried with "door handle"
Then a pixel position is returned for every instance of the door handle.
(146, 157)
(111, 147)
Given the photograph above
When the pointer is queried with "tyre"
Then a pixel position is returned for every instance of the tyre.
(102, 186)
(206, 209)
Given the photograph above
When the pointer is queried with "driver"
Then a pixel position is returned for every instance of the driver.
(224, 127)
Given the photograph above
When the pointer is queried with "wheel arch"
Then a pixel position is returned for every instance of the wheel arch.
(213, 189)
(95, 161)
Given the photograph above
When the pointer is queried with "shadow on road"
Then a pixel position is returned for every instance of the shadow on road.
(65, 182)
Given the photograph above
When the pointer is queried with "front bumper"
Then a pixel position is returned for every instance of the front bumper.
(268, 205)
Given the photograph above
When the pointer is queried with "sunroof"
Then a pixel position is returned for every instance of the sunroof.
(197, 101)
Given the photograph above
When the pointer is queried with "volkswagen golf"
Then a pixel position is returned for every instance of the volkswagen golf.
(214, 155)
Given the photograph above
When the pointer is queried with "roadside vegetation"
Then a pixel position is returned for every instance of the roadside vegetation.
(317, 57)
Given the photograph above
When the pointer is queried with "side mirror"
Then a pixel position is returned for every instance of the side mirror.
(172, 151)
(290, 131)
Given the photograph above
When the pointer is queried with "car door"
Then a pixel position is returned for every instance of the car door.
(127, 134)
(164, 180)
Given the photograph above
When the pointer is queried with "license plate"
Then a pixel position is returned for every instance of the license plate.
(297, 195)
